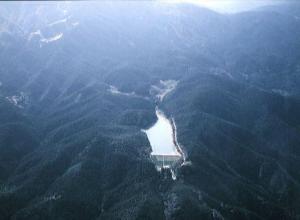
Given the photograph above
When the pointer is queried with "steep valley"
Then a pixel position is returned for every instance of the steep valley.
(80, 80)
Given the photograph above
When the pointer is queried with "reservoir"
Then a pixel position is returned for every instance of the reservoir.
(165, 151)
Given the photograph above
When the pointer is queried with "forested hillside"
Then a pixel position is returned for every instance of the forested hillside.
(75, 93)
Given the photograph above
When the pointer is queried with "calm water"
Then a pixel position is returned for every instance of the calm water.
(160, 136)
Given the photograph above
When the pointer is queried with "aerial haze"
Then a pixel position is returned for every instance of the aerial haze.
(158, 110)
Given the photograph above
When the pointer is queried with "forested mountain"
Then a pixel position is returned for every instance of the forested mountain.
(75, 94)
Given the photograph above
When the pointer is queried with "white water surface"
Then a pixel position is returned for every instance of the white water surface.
(160, 136)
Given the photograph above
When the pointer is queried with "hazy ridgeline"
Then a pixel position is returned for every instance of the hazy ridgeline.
(77, 86)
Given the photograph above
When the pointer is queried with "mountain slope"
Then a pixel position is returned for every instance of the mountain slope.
(75, 92)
